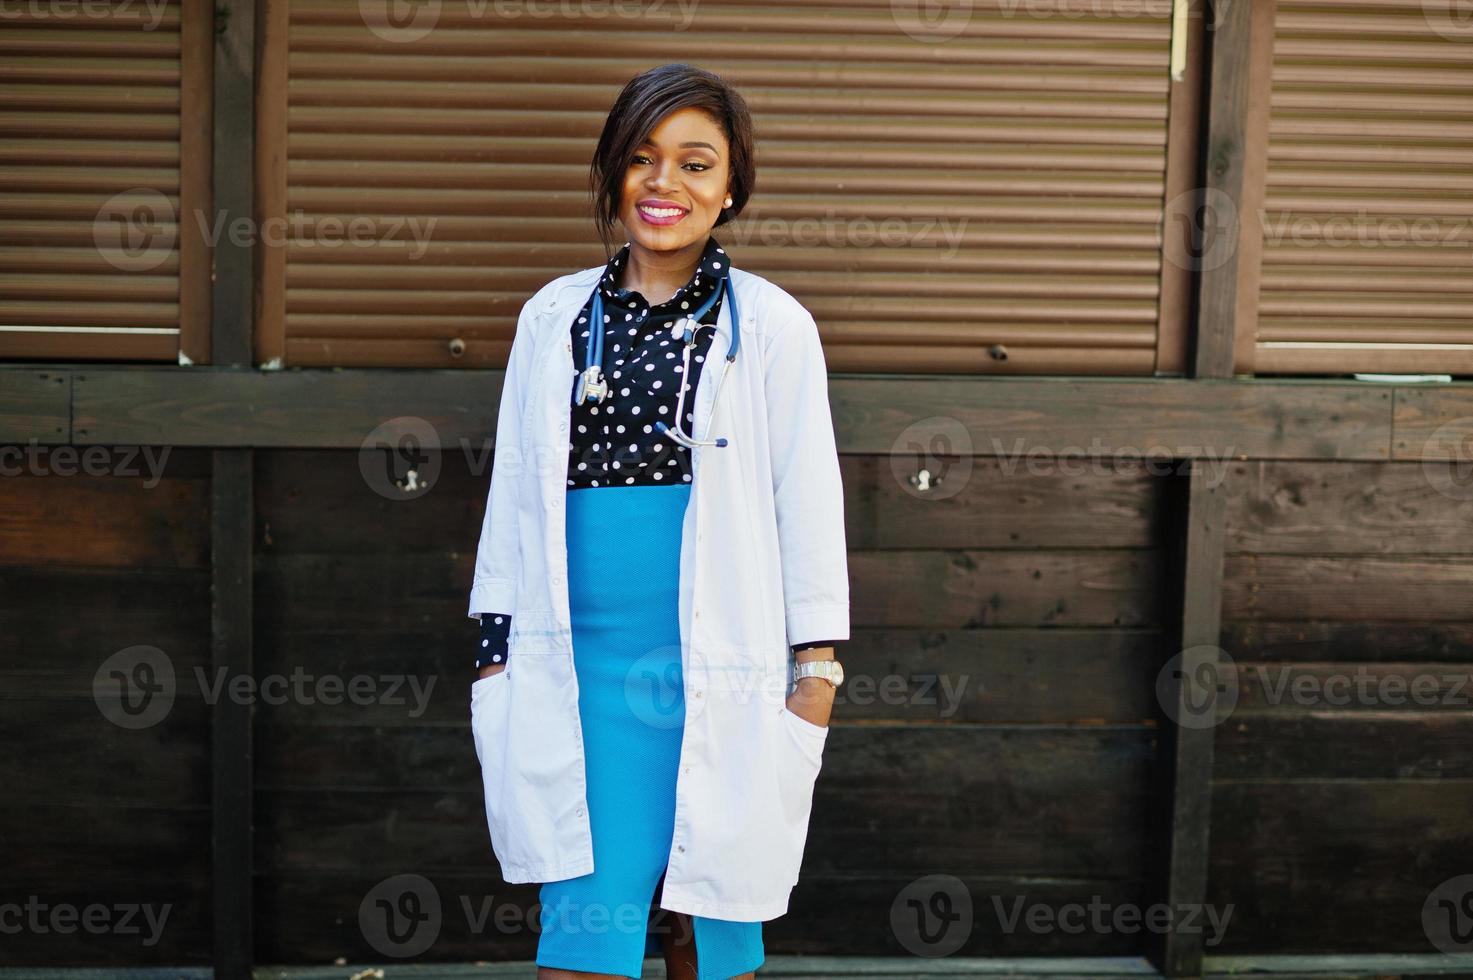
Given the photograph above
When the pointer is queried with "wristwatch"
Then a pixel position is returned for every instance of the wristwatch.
(830, 670)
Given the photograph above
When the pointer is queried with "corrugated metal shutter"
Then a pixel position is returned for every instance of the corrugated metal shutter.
(1368, 217)
(91, 256)
(926, 196)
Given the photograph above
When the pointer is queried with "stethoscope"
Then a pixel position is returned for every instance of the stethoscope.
(591, 387)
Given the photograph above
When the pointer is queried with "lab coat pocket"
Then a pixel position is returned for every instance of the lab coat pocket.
(797, 771)
(489, 710)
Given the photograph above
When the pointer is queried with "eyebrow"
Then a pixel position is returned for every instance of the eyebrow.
(689, 143)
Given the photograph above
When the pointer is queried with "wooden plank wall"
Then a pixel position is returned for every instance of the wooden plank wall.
(1333, 821)
(1036, 593)
(1017, 626)
(98, 812)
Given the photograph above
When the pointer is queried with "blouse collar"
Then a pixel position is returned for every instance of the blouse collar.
(710, 270)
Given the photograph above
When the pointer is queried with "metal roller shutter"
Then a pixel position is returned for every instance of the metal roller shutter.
(989, 201)
(93, 180)
(1368, 210)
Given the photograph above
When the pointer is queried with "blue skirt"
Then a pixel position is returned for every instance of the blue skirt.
(623, 594)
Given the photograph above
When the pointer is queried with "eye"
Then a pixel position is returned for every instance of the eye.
(639, 158)
(699, 165)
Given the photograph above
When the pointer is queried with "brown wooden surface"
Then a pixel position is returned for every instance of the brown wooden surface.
(1037, 778)
(1344, 776)
(35, 404)
(196, 176)
(1226, 149)
(1011, 778)
(1181, 195)
(1011, 418)
(94, 813)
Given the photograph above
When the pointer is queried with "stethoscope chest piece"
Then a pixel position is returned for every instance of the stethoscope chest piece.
(591, 386)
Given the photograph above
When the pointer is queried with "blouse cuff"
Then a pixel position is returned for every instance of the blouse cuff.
(495, 630)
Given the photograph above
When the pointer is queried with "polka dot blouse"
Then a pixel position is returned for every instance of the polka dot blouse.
(615, 443)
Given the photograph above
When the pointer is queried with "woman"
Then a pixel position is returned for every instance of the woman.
(633, 650)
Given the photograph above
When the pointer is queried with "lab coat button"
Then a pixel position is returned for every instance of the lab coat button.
(580, 811)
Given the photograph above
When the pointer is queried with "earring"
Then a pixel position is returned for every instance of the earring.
(728, 202)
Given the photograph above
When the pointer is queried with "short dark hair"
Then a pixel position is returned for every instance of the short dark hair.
(648, 98)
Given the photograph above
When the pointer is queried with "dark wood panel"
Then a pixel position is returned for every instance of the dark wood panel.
(73, 619)
(999, 502)
(320, 501)
(87, 761)
(994, 503)
(1348, 641)
(178, 935)
(1315, 745)
(1283, 507)
(1054, 416)
(964, 589)
(1362, 686)
(314, 918)
(142, 517)
(969, 589)
(354, 593)
(998, 676)
(34, 405)
(417, 677)
(1334, 866)
(1024, 801)
(132, 841)
(1286, 587)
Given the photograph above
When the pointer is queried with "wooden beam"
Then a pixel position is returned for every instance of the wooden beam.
(1189, 691)
(233, 188)
(196, 177)
(35, 404)
(1169, 418)
(270, 176)
(1184, 119)
(232, 520)
(1232, 177)
(231, 651)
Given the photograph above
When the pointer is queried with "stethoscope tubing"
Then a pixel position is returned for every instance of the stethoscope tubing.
(592, 388)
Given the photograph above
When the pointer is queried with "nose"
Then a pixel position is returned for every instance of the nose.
(662, 176)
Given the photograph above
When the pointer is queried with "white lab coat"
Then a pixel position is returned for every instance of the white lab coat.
(762, 567)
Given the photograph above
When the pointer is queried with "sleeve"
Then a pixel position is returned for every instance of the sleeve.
(815, 643)
(498, 555)
(806, 486)
(492, 648)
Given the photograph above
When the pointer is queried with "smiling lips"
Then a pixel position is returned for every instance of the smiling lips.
(654, 211)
